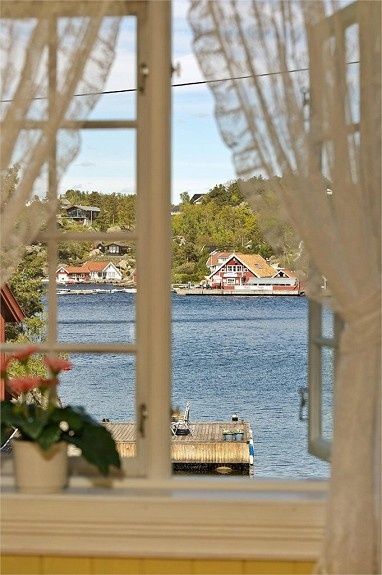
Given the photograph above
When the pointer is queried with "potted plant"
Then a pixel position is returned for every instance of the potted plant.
(45, 428)
(227, 435)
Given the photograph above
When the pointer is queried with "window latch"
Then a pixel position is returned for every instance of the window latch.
(302, 413)
(142, 416)
(143, 73)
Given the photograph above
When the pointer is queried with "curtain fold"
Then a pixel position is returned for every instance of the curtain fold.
(308, 119)
(45, 61)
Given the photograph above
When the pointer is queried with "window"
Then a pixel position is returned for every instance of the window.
(125, 512)
(324, 330)
(323, 342)
(151, 346)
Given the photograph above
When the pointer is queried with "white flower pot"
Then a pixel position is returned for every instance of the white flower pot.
(39, 471)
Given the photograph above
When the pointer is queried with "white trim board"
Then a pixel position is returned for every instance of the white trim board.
(118, 523)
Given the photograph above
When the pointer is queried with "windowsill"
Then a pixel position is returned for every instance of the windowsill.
(181, 517)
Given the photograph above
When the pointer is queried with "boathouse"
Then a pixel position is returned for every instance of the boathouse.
(210, 447)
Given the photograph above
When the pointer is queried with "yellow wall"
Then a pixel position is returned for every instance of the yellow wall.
(34, 565)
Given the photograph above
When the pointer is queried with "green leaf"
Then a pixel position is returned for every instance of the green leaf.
(51, 434)
(11, 414)
(76, 417)
(98, 447)
(34, 422)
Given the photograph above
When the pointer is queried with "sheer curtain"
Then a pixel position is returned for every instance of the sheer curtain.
(44, 62)
(307, 116)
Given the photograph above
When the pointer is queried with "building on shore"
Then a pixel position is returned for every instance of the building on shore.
(10, 312)
(88, 272)
(81, 214)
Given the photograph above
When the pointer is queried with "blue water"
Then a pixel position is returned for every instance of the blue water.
(244, 355)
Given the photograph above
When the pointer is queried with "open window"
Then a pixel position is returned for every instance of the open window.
(147, 352)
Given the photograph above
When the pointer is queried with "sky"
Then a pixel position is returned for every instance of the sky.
(200, 159)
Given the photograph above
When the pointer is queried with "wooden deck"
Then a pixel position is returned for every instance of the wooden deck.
(204, 450)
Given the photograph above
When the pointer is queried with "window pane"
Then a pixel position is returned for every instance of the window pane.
(327, 321)
(94, 313)
(105, 164)
(103, 383)
(122, 76)
(327, 400)
(246, 356)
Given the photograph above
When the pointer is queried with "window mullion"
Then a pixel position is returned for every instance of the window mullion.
(52, 185)
(153, 244)
(315, 377)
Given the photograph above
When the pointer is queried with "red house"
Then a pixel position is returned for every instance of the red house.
(235, 269)
(10, 311)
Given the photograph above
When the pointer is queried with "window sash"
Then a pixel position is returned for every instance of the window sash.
(317, 444)
(152, 346)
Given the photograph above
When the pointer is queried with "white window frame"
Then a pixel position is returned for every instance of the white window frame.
(324, 30)
(318, 445)
(140, 516)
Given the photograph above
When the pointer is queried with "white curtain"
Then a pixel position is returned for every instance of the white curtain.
(308, 118)
(38, 93)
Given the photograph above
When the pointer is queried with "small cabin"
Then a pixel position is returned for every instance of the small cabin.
(82, 214)
(113, 249)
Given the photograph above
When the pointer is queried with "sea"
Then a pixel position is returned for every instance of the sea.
(244, 355)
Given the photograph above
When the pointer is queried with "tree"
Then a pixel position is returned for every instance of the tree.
(72, 252)
(28, 289)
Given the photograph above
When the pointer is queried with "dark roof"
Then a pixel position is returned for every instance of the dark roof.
(85, 208)
(195, 198)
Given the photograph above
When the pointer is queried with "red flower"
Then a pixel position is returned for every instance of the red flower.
(56, 364)
(25, 354)
(22, 384)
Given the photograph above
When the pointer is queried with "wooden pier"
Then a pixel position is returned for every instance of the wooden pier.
(241, 292)
(210, 447)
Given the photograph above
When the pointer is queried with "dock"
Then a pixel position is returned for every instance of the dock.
(233, 292)
(210, 447)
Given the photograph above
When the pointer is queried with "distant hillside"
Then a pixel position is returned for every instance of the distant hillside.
(221, 219)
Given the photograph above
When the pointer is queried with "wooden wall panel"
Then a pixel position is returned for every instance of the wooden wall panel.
(34, 565)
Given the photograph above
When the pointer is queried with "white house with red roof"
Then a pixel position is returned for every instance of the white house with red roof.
(89, 272)
(237, 271)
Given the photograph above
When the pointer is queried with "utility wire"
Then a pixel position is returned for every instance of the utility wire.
(124, 91)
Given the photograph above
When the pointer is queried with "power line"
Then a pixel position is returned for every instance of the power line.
(126, 90)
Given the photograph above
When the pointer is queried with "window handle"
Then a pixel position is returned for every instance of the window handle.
(143, 73)
(142, 416)
(303, 393)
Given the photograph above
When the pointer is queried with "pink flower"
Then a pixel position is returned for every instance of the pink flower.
(23, 384)
(25, 354)
(56, 364)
